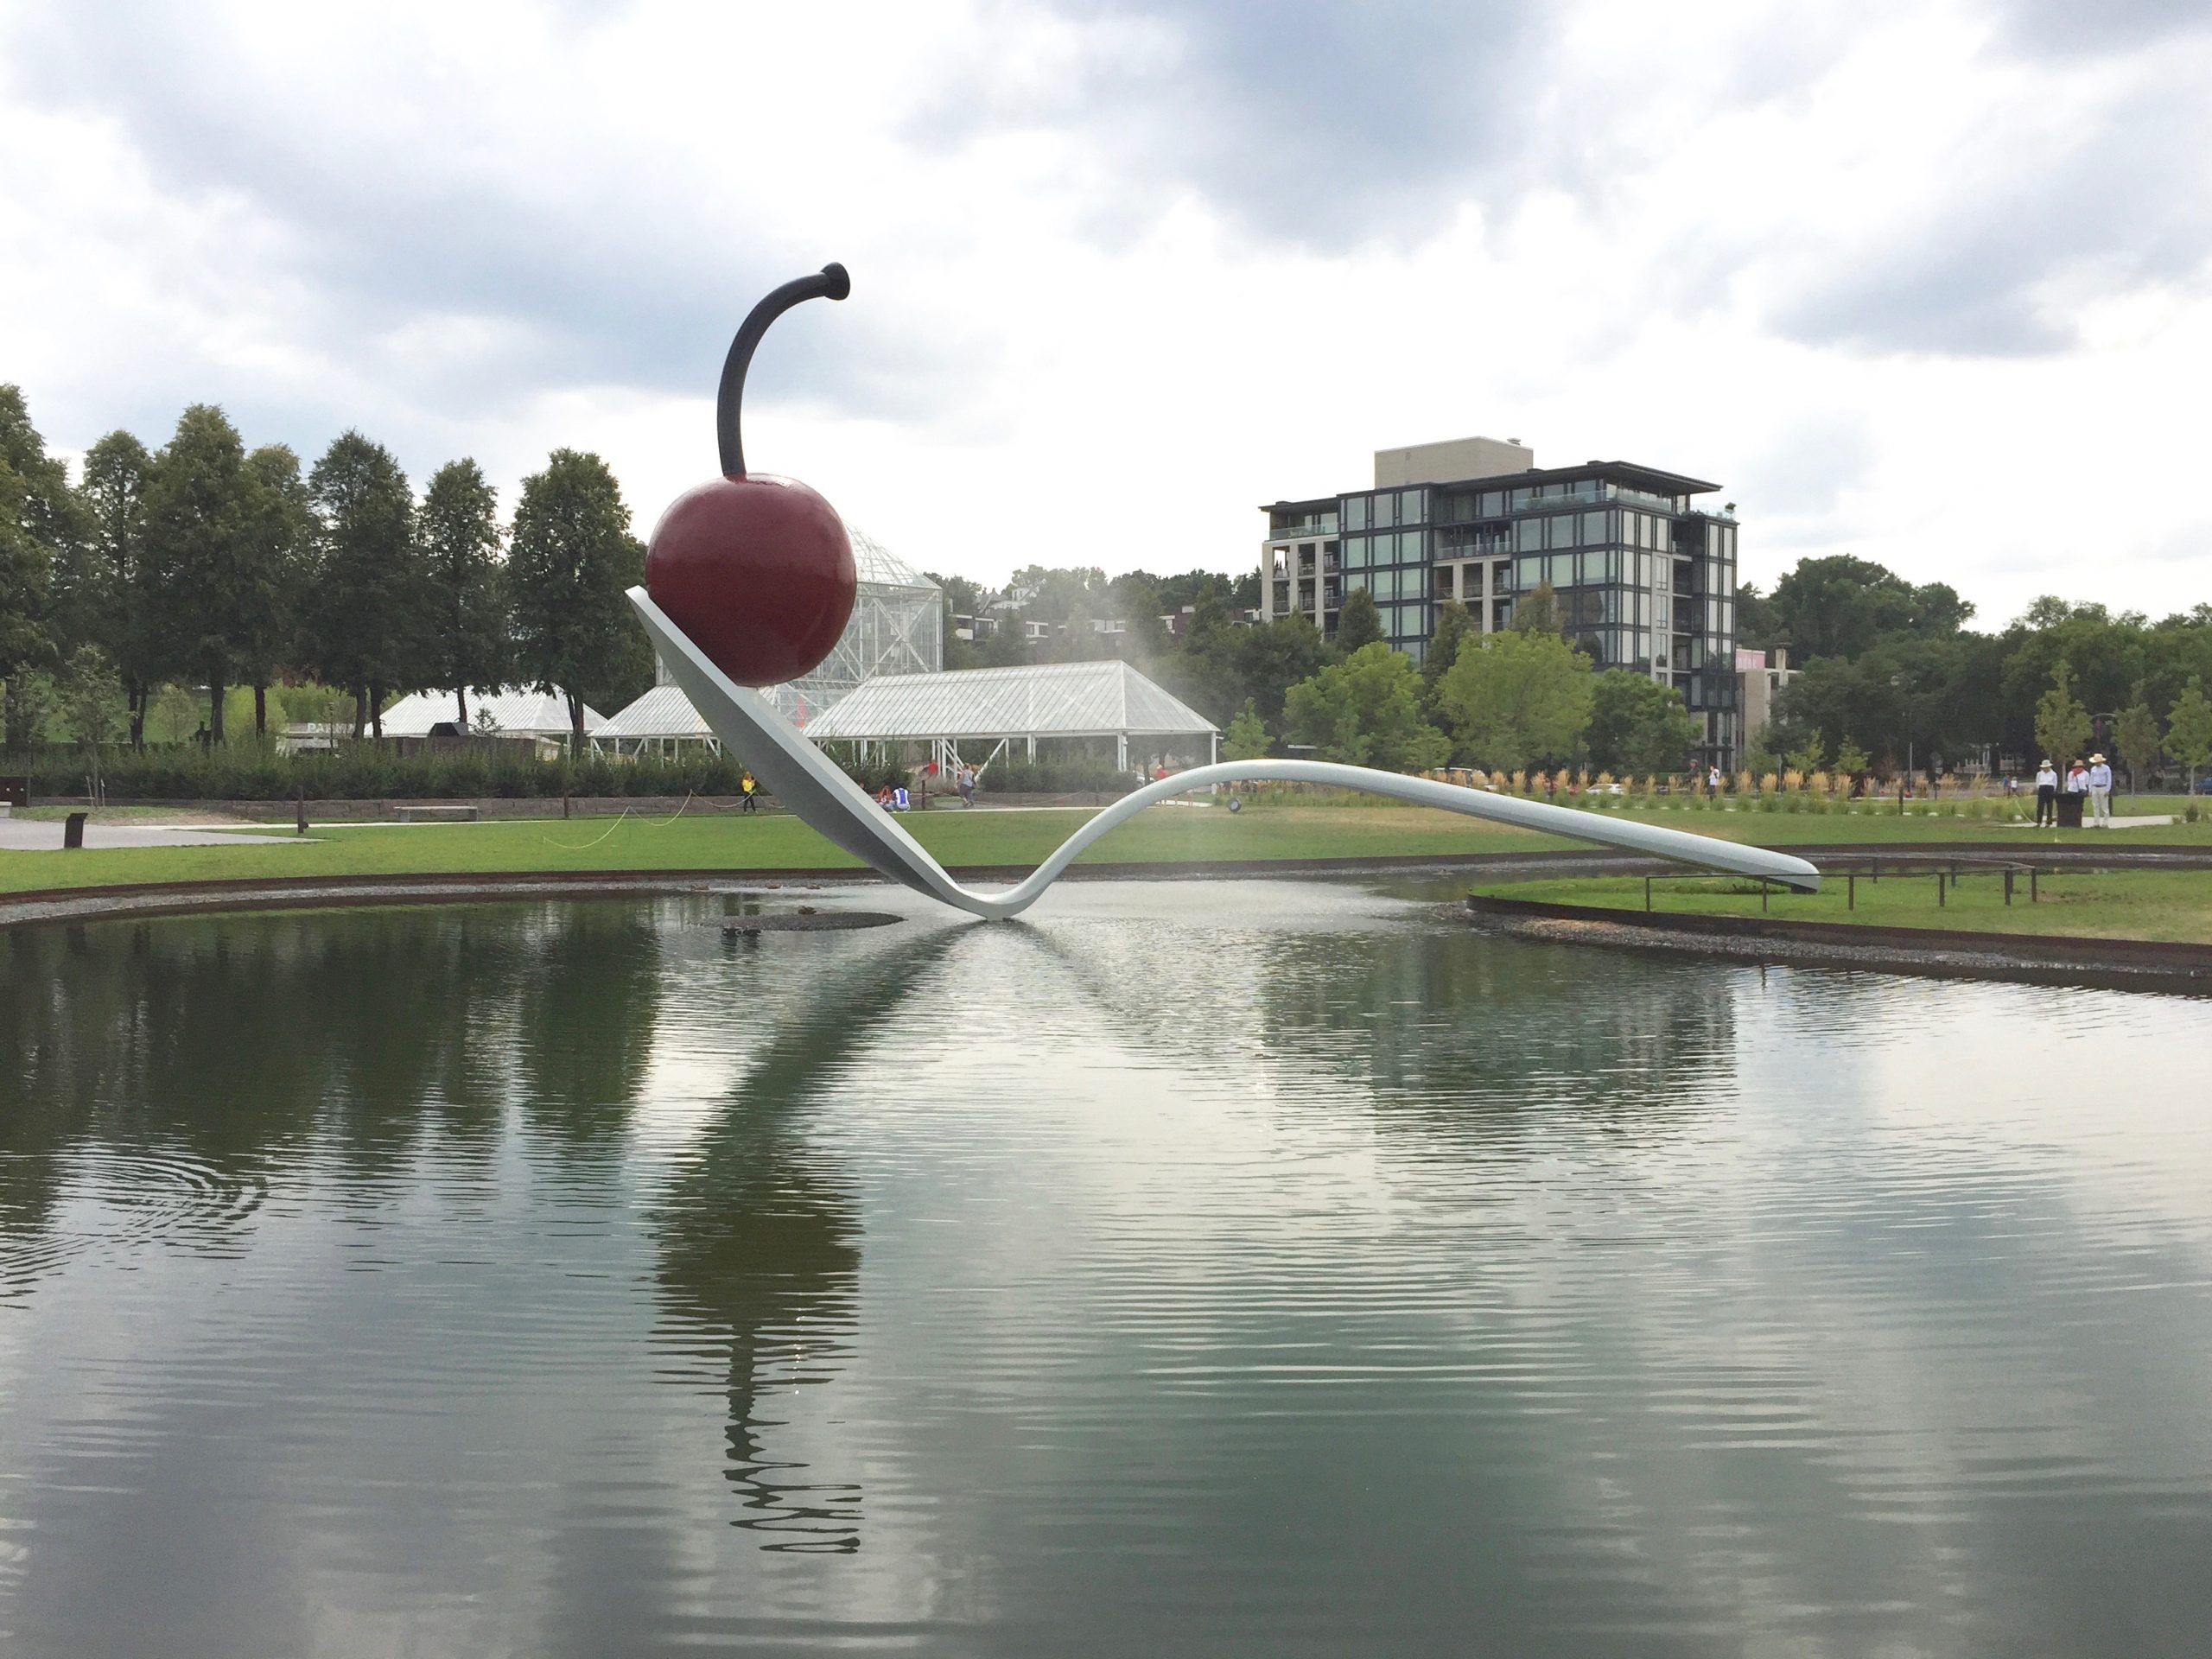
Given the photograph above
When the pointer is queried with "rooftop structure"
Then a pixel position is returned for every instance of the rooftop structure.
(509, 711)
(661, 722)
(1005, 705)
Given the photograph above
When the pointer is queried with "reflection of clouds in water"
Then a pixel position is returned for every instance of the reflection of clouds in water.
(1265, 1258)
(1566, 1184)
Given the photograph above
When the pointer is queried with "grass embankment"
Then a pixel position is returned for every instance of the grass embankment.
(2173, 906)
(777, 841)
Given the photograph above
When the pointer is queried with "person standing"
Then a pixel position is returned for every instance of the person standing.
(967, 785)
(2100, 792)
(747, 788)
(2046, 796)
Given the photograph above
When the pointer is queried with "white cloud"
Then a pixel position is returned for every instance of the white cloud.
(1121, 272)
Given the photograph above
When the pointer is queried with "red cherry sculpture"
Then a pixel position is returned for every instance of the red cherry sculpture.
(757, 570)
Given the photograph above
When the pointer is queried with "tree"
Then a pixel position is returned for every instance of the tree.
(41, 526)
(2061, 723)
(90, 696)
(279, 545)
(26, 571)
(115, 593)
(573, 559)
(1843, 606)
(2188, 729)
(1637, 725)
(963, 598)
(2104, 655)
(460, 532)
(1366, 711)
(1808, 758)
(1518, 697)
(1537, 611)
(1247, 737)
(1358, 625)
(2136, 736)
(1851, 760)
(199, 527)
(1453, 625)
(1756, 627)
(362, 618)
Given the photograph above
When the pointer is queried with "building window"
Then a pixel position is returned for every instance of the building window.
(1354, 512)
(1412, 509)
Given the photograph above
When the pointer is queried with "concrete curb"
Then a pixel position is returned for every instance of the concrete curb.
(2143, 963)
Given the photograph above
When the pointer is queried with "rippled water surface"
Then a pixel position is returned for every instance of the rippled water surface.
(1241, 1268)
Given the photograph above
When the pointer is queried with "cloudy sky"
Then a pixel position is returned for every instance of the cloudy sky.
(1928, 282)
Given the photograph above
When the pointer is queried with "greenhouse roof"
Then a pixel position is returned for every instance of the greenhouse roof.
(1046, 700)
(664, 711)
(511, 710)
(877, 566)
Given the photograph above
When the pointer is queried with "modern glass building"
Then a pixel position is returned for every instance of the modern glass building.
(1645, 578)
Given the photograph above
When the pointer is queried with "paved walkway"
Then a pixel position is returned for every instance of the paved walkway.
(40, 836)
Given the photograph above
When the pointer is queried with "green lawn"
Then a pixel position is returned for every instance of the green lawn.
(2125, 904)
(778, 841)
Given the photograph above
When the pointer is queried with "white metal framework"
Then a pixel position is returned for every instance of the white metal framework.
(660, 722)
(1014, 705)
(897, 627)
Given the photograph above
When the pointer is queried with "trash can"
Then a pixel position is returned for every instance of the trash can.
(72, 829)
(2069, 809)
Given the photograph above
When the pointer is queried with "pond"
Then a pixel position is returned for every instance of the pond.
(1240, 1267)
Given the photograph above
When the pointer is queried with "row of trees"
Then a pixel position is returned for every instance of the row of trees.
(1893, 669)
(209, 564)
(1502, 701)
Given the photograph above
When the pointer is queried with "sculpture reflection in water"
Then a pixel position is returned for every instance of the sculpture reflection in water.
(759, 1240)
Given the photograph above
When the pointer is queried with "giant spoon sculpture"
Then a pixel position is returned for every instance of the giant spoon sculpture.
(749, 581)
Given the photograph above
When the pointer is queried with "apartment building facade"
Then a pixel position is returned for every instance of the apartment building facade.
(1645, 576)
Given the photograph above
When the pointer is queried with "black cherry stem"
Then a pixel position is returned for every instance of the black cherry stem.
(829, 284)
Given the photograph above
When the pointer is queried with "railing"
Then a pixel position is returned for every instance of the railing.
(1948, 872)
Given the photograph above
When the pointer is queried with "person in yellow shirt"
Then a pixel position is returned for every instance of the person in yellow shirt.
(748, 788)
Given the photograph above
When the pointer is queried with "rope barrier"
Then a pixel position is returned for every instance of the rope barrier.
(650, 823)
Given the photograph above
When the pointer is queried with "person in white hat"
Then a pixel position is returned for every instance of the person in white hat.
(2100, 792)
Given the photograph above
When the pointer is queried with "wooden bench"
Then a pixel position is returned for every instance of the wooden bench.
(419, 814)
